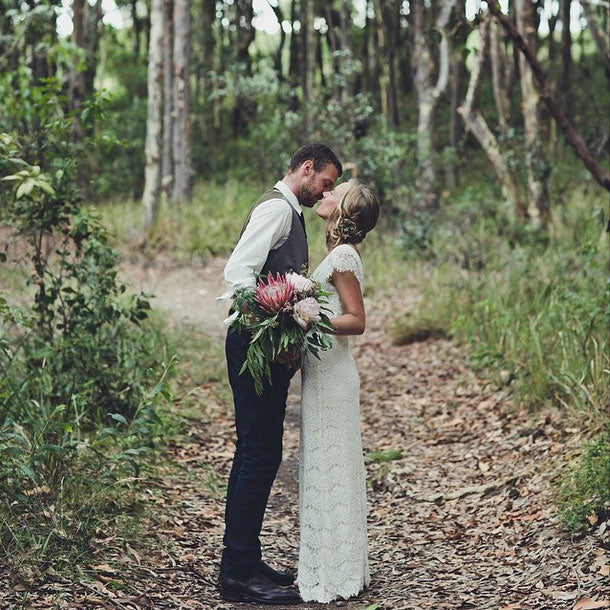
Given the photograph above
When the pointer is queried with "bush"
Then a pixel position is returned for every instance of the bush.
(584, 489)
(80, 378)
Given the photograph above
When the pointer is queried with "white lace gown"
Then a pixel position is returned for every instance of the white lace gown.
(333, 561)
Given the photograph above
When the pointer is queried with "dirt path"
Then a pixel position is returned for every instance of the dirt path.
(463, 520)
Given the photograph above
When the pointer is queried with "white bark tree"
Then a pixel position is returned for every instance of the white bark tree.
(182, 146)
(537, 164)
(501, 74)
(154, 123)
(600, 34)
(428, 94)
(167, 164)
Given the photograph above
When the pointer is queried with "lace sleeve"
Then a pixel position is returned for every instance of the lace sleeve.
(345, 258)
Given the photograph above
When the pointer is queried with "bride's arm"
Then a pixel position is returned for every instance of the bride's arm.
(352, 321)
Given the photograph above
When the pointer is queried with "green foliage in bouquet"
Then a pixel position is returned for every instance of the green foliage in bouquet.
(285, 315)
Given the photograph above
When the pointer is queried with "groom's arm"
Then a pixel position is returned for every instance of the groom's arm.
(268, 228)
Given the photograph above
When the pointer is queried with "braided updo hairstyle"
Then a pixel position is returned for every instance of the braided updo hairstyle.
(355, 215)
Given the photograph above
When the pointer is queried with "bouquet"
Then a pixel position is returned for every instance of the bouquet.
(283, 314)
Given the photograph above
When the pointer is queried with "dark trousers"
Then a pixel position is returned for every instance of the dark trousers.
(259, 421)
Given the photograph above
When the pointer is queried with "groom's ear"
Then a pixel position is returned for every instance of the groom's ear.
(307, 167)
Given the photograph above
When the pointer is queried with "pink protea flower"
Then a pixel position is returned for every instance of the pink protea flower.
(273, 295)
(306, 311)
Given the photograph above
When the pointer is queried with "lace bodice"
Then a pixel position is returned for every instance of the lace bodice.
(342, 258)
(333, 559)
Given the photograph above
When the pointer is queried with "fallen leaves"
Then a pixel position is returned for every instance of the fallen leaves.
(460, 502)
(589, 604)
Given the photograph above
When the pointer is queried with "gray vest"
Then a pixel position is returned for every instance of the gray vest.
(293, 254)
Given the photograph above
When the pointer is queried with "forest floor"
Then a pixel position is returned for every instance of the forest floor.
(463, 520)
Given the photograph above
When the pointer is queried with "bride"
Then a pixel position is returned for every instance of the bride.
(333, 558)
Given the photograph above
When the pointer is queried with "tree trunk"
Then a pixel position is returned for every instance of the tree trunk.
(538, 167)
(600, 34)
(457, 70)
(85, 36)
(566, 56)
(154, 108)
(277, 59)
(309, 64)
(137, 28)
(183, 169)
(345, 19)
(77, 77)
(429, 94)
(384, 68)
(574, 140)
(245, 35)
(167, 165)
(332, 20)
(499, 58)
(320, 60)
(476, 124)
(295, 55)
(309, 51)
(366, 53)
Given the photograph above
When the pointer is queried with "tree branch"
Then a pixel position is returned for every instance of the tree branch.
(577, 143)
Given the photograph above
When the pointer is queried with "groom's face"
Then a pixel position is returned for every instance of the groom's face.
(314, 183)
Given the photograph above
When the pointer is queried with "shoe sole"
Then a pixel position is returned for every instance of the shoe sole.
(234, 597)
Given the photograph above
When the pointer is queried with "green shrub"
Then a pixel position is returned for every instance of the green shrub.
(80, 378)
(583, 491)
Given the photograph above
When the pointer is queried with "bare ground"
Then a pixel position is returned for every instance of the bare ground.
(464, 520)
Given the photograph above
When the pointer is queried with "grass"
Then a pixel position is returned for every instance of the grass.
(583, 492)
(535, 314)
(208, 227)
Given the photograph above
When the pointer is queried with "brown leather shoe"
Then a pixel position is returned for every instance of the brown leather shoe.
(258, 589)
(284, 578)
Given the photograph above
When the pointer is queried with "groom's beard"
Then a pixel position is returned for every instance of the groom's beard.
(306, 196)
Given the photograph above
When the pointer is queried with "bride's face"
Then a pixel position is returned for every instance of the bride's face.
(331, 199)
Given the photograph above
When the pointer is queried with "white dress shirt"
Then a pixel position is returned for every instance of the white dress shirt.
(268, 229)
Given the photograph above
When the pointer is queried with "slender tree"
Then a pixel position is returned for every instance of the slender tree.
(279, 53)
(167, 162)
(384, 68)
(154, 116)
(477, 125)
(457, 70)
(500, 75)
(428, 94)
(600, 34)
(537, 165)
(183, 167)
(566, 55)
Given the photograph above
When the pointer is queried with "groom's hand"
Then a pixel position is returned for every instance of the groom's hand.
(293, 359)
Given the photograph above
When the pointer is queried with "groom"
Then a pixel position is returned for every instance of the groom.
(273, 240)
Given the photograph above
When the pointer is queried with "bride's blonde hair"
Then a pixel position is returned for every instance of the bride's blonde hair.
(355, 215)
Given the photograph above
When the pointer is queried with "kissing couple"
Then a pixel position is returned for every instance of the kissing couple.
(333, 561)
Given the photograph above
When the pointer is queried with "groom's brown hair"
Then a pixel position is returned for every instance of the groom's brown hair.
(320, 154)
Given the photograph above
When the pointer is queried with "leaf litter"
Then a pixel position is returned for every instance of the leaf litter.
(461, 516)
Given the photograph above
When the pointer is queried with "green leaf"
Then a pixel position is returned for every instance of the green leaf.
(118, 417)
(46, 187)
(25, 188)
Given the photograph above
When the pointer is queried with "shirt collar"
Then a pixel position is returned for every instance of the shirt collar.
(283, 188)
